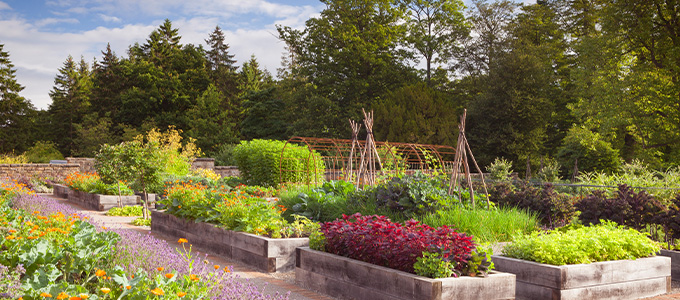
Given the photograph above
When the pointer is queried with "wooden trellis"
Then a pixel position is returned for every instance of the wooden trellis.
(394, 157)
(461, 162)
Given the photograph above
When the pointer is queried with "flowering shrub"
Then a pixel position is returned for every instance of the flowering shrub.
(377, 240)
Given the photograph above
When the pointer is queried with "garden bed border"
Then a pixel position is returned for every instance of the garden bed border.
(348, 278)
(94, 201)
(616, 280)
(267, 254)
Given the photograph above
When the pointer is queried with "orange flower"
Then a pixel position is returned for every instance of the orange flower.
(9, 237)
(181, 294)
(62, 296)
(105, 290)
(182, 241)
(169, 275)
(128, 287)
(193, 277)
(12, 231)
(100, 273)
(226, 269)
(45, 295)
(158, 292)
(217, 267)
(75, 298)
(84, 296)
(160, 269)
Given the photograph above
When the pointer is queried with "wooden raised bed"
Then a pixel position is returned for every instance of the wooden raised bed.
(267, 254)
(93, 201)
(348, 278)
(616, 280)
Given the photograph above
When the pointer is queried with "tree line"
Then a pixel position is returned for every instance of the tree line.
(588, 80)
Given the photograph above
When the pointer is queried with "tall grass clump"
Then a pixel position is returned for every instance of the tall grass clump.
(492, 226)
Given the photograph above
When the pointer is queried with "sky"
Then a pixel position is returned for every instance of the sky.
(40, 35)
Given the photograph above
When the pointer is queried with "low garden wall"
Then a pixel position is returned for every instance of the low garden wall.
(86, 163)
(615, 280)
(348, 278)
(37, 170)
(227, 171)
(267, 254)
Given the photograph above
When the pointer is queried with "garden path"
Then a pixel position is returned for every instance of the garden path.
(271, 283)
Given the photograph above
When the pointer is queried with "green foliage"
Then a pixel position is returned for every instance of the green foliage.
(486, 226)
(261, 162)
(263, 116)
(416, 114)
(322, 204)
(553, 208)
(15, 110)
(411, 195)
(141, 222)
(317, 240)
(224, 155)
(500, 170)
(43, 152)
(480, 263)
(591, 151)
(13, 159)
(125, 211)
(550, 171)
(433, 266)
(582, 245)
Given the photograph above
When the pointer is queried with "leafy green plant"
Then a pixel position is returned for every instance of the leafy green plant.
(263, 162)
(550, 171)
(224, 156)
(553, 208)
(141, 222)
(125, 211)
(411, 195)
(433, 266)
(324, 204)
(500, 170)
(590, 149)
(11, 158)
(582, 244)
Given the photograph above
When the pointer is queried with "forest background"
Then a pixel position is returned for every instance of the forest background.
(597, 81)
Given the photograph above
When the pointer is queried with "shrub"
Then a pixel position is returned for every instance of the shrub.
(325, 203)
(175, 157)
(500, 170)
(43, 152)
(411, 195)
(550, 171)
(636, 210)
(554, 209)
(125, 211)
(582, 245)
(13, 159)
(261, 162)
(224, 156)
(377, 240)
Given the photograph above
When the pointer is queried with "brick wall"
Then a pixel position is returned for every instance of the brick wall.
(86, 163)
(203, 163)
(227, 171)
(37, 170)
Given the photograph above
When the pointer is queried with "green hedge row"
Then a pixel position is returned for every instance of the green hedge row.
(260, 163)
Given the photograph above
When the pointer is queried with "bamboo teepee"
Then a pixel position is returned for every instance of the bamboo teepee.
(369, 155)
(460, 161)
(350, 173)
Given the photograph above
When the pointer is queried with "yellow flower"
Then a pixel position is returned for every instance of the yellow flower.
(193, 277)
(105, 290)
(169, 275)
(182, 241)
(158, 292)
(62, 296)
(9, 237)
(45, 295)
(84, 296)
(181, 294)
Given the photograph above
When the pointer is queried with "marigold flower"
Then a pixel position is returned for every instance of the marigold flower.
(226, 269)
(100, 273)
(45, 295)
(182, 241)
(128, 287)
(169, 275)
(9, 237)
(181, 294)
(12, 231)
(105, 290)
(84, 296)
(158, 292)
(217, 267)
(62, 296)
(75, 298)
(193, 277)
(160, 269)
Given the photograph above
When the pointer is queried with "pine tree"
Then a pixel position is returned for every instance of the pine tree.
(15, 110)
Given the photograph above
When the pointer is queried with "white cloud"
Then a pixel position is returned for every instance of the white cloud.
(4, 6)
(112, 19)
(52, 21)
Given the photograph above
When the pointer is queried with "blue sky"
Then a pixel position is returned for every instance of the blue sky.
(39, 35)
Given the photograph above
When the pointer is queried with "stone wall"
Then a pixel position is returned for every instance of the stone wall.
(227, 171)
(203, 163)
(37, 170)
(86, 163)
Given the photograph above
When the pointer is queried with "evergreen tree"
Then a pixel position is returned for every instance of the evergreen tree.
(15, 110)
(70, 101)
